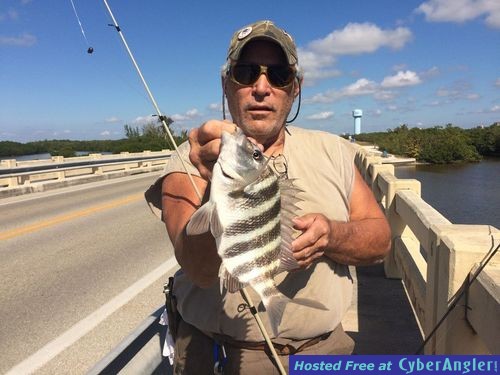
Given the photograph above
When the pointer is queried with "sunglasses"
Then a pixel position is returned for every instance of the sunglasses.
(247, 74)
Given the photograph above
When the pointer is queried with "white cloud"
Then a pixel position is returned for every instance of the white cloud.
(358, 38)
(401, 79)
(319, 56)
(112, 120)
(316, 66)
(429, 73)
(497, 82)
(457, 90)
(105, 133)
(384, 95)
(320, 116)
(143, 120)
(23, 40)
(215, 107)
(461, 11)
(495, 108)
(192, 113)
(189, 115)
(362, 86)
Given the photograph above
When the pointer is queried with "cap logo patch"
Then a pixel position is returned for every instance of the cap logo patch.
(245, 32)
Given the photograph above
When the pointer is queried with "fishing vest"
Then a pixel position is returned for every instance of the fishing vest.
(323, 166)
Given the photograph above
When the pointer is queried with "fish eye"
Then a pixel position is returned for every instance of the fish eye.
(257, 155)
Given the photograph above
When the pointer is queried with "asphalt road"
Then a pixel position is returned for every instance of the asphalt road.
(68, 260)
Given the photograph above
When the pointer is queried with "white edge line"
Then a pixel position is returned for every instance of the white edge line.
(84, 326)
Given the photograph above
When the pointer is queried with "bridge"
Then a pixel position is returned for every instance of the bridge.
(433, 266)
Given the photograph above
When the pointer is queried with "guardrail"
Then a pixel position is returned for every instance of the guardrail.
(20, 177)
(434, 258)
(139, 353)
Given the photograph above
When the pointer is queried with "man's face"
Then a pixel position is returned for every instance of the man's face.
(261, 109)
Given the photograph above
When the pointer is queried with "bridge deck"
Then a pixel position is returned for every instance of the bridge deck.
(381, 320)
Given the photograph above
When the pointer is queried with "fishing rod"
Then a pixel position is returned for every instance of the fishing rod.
(162, 118)
(453, 302)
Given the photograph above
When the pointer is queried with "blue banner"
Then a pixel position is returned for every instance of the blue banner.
(394, 364)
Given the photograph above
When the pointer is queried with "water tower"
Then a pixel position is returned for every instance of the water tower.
(357, 114)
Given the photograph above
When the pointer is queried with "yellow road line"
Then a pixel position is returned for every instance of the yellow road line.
(70, 216)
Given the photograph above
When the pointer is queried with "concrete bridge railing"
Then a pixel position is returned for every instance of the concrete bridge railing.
(20, 177)
(435, 258)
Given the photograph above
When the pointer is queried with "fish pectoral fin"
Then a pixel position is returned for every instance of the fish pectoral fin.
(201, 220)
(215, 224)
(287, 260)
(228, 281)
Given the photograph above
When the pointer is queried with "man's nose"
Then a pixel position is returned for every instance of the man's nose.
(262, 85)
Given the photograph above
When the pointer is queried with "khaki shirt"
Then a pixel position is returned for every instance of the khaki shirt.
(323, 166)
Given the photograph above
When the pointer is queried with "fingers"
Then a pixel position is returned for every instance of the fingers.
(205, 145)
(311, 243)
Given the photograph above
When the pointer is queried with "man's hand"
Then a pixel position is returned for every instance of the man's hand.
(314, 239)
(205, 145)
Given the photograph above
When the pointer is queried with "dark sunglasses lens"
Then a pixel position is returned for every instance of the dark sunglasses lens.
(279, 75)
(246, 74)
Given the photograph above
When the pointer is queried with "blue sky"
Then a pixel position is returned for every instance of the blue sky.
(423, 63)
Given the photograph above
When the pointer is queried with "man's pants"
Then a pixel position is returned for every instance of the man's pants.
(194, 353)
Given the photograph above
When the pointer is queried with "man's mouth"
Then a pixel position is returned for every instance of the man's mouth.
(260, 109)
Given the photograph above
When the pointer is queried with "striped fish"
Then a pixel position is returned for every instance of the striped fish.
(250, 214)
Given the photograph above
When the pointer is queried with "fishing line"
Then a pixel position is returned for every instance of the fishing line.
(89, 49)
(453, 302)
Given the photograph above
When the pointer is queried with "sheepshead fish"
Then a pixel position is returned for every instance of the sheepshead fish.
(250, 214)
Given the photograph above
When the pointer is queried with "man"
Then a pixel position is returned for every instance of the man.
(339, 221)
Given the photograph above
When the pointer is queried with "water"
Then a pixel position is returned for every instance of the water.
(47, 156)
(28, 157)
(463, 193)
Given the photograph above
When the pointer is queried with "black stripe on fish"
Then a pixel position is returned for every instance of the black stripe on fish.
(253, 222)
(254, 243)
(261, 283)
(262, 261)
(254, 197)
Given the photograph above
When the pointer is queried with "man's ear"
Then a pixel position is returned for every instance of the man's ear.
(297, 86)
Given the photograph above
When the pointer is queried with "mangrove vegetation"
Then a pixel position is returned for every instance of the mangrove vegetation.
(150, 137)
(440, 144)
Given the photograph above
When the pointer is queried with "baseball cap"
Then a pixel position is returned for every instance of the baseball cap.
(262, 30)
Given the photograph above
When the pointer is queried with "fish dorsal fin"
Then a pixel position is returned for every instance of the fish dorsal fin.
(231, 283)
(289, 197)
(204, 219)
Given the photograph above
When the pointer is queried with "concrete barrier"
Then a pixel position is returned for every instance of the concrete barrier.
(23, 177)
(435, 259)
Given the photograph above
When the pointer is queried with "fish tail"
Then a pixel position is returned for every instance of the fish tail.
(275, 307)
